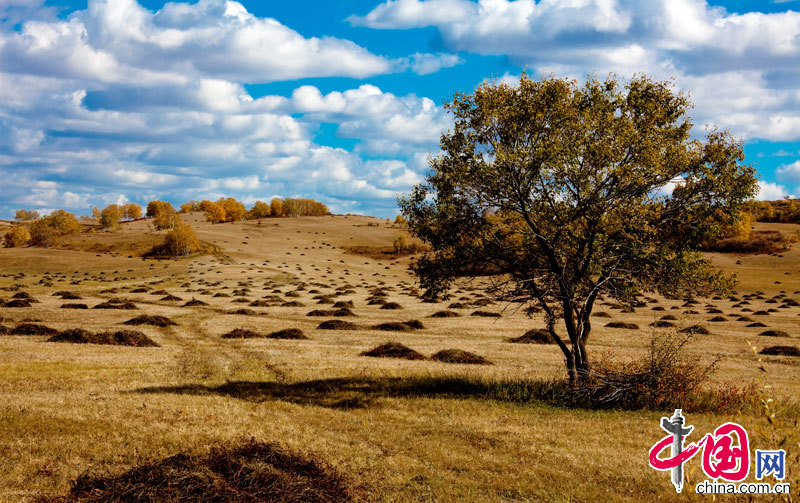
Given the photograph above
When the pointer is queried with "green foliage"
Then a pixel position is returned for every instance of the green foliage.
(558, 189)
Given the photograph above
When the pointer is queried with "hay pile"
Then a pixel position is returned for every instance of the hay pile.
(535, 336)
(394, 350)
(459, 356)
(337, 325)
(155, 320)
(254, 472)
(118, 338)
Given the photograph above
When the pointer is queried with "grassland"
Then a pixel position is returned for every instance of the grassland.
(382, 423)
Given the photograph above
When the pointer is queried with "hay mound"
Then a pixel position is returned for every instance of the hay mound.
(757, 324)
(601, 314)
(244, 312)
(256, 303)
(781, 351)
(668, 317)
(287, 333)
(70, 296)
(445, 314)
(343, 303)
(662, 324)
(774, 333)
(319, 312)
(459, 356)
(241, 333)
(535, 336)
(74, 306)
(394, 350)
(376, 302)
(254, 472)
(345, 311)
(170, 298)
(485, 314)
(415, 324)
(718, 318)
(116, 304)
(32, 329)
(146, 319)
(17, 303)
(695, 330)
(622, 324)
(118, 338)
(293, 303)
(393, 326)
(195, 302)
(337, 325)
(391, 305)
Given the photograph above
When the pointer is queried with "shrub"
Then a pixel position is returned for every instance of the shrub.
(41, 233)
(63, 222)
(234, 210)
(16, 237)
(399, 220)
(276, 207)
(667, 377)
(181, 241)
(110, 216)
(400, 243)
(215, 213)
(260, 209)
(131, 211)
(22, 215)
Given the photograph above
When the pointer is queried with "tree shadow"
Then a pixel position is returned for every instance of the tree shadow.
(363, 392)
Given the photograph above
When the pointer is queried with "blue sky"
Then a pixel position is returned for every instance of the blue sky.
(107, 101)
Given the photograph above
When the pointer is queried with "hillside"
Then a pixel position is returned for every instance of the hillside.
(389, 425)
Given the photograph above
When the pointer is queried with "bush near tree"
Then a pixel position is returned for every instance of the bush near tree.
(110, 217)
(276, 207)
(163, 215)
(131, 211)
(42, 234)
(215, 213)
(259, 210)
(16, 237)
(234, 210)
(181, 241)
(558, 189)
(22, 215)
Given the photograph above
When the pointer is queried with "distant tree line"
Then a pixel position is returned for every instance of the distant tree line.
(33, 229)
(785, 211)
(230, 210)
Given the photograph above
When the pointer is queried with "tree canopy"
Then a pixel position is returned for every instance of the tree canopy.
(566, 192)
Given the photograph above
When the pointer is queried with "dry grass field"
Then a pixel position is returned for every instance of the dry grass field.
(67, 409)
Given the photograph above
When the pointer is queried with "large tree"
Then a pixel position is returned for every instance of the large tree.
(565, 192)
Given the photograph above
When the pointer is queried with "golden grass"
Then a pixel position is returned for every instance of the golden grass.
(71, 408)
